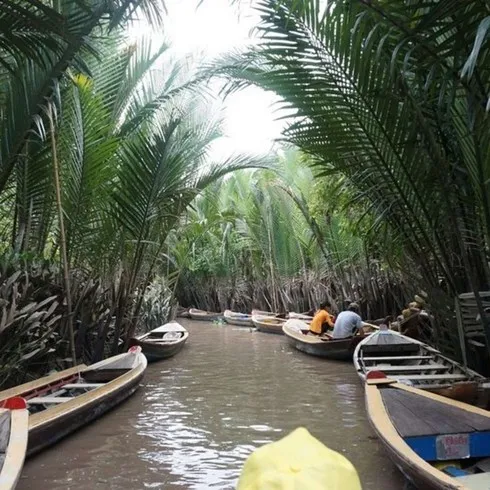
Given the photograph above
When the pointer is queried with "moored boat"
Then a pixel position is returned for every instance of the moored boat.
(183, 312)
(299, 316)
(204, 315)
(14, 428)
(263, 313)
(65, 401)
(162, 342)
(339, 349)
(437, 443)
(417, 364)
(268, 324)
(239, 319)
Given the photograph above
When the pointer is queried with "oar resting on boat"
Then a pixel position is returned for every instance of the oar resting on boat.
(438, 443)
(14, 427)
(63, 402)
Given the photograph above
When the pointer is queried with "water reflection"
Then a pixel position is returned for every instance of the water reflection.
(199, 415)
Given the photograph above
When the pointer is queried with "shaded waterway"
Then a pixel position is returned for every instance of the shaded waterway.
(197, 416)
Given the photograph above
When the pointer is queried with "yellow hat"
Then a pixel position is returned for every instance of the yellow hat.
(298, 462)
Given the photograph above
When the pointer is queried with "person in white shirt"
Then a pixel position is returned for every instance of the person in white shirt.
(348, 323)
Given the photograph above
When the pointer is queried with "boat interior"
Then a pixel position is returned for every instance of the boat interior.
(162, 337)
(411, 363)
(455, 441)
(66, 388)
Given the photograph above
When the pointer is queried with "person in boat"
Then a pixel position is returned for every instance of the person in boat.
(322, 320)
(299, 461)
(348, 323)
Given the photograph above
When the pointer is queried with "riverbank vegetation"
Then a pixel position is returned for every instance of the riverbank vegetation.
(112, 209)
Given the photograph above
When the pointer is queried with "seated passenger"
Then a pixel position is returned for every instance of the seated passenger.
(321, 321)
(348, 323)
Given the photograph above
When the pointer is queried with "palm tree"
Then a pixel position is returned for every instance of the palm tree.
(393, 96)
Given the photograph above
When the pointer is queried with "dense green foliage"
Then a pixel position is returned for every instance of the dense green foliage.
(273, 240)
(393, 96)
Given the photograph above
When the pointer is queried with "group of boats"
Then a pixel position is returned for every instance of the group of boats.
(426, 408)
(39, 413)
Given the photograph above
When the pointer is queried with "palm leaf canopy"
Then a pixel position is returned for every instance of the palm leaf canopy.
(379, 91)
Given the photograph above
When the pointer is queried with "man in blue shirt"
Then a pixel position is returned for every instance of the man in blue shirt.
(348, 323)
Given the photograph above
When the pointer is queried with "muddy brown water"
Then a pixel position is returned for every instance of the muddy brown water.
(197, 416)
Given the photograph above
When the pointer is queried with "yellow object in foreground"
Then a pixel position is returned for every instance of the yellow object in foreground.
(298, 462)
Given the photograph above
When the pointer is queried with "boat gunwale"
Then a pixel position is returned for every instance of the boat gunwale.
(16, 449)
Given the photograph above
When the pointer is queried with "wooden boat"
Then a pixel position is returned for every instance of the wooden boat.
(263, 313)
(162, 342)
(63, 402)
(268, 324)
(437, 443)
(14, 429)
(297, 333)
(204, 315)
(417, 364)
(183, 312)
(299, 316)
(239, 319)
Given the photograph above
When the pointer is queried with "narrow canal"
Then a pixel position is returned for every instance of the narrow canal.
(197, 416)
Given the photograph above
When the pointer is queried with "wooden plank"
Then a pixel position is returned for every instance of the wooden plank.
(41, 400)
(429, 416)
(396, 358)
(75, 386)
(430, 377)
(4, 430)
(419, 367)
(405, 421)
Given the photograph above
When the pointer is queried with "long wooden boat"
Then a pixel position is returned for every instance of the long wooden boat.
(300, 316)
(204, 315)
(63, 402)
(438, 443)
(339, 349)
(183, 312)
(162, 342)
(239, 319)
(263, 313)
(417, 364)
(268, 324)
(14, 429)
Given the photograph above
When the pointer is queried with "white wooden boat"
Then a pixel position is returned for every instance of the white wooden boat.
(417, 364)
(202, 315)
(14, 429)
(239, 319)
(263, 313)
(297, 334)
(437, 443)
(162, 342)
(65, 401)
(268, 324)
(299, 316)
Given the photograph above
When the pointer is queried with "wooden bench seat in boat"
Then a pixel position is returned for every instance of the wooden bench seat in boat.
(41, 400)
(397, 358)
(81, 386)
(418, 367)
(388, 348)
(430, 377)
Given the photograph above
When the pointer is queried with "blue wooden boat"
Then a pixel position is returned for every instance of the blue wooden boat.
(437, 443)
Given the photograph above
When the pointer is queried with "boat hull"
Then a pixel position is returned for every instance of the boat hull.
(204, 316)
(158, 352)
(339, 350)
(56, 422)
